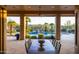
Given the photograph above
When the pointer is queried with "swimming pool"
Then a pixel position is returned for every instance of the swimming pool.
(43, 34)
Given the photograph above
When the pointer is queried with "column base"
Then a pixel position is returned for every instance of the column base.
(2, 52)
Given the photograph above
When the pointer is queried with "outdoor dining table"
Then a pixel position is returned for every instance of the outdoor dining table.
(48, 47)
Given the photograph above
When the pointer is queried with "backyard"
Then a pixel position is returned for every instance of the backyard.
(45, 28)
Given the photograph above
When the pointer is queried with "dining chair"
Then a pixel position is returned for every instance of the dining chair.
(58, 47)
(54, 42)
(29, 43)
(26, 46)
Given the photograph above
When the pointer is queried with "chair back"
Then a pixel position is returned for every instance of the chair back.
(26, 46)
(29, 43)
(58, 47)
(54, 42)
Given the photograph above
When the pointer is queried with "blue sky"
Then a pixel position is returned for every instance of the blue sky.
(42, 20)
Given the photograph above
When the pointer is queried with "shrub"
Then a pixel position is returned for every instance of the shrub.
(33, 37)
(47, 37)
(27, 35)
(14, 31)
(40, 36)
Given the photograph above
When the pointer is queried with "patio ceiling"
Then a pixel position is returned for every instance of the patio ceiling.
(39, 9)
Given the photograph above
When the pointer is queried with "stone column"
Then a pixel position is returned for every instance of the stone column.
(27, 25)
(3, 23)
(58, 29)
(22, 27)
(0, 30)
(77, 28)
(76, 15)
(77, 32)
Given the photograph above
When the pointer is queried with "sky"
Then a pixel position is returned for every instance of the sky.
(65, 19)
(42, 20)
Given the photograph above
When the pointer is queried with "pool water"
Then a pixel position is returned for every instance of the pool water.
(45, 34)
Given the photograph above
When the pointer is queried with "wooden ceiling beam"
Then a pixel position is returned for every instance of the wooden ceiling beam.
(40, 12)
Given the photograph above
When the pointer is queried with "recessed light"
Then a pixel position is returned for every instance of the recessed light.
(29, 6)
(52, 7)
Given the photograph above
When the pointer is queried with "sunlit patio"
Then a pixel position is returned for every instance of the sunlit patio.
(43, 35)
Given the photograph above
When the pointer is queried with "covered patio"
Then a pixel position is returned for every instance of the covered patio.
(35, 10)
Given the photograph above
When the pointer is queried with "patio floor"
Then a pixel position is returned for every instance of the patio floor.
(14, 46)
(68, 44)
(18, 47)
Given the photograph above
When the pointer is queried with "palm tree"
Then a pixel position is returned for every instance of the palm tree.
(27, 27)
(73, 26)
(11, 25)
(46, 27)
(51, 27)
(68, 25)
(17, 27)
(28, 19)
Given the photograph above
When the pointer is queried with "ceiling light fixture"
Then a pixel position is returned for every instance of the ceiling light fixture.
(52, 7)
(29, 6)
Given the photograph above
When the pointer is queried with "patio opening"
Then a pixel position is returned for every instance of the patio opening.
(41, 27)
(13, 27)
(13, 44)
(68, 34)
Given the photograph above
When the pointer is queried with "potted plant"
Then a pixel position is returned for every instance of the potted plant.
(17, 36)
(41, 41)
(40, 36)
(33, 37)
